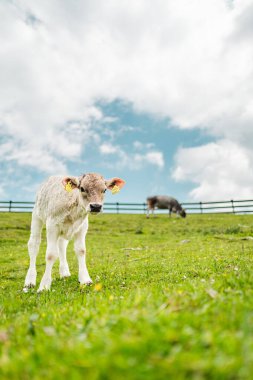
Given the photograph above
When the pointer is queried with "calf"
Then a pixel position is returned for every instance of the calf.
(165, 203)
(63, 205)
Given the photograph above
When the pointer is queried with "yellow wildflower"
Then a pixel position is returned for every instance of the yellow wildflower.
(98, 287)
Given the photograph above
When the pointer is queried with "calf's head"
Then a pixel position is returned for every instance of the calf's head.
(92, 188)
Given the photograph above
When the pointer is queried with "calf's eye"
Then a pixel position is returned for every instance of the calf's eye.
(103, 191)
(82, 189)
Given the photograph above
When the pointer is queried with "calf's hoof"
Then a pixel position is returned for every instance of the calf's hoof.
(64, 271)
(26, 289)
(43, 289)
(65, 274)
(87, 283)
(29, 285)
(44, 285)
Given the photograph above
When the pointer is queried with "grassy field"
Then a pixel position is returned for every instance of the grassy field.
(172, 299)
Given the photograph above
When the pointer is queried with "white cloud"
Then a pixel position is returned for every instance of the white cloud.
(138, 145)
(153, 158)
(135, 161)
(190, 61)
(108, 148)
(28, 156)
(221, 170)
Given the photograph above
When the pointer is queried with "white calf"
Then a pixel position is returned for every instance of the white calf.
(63, 204)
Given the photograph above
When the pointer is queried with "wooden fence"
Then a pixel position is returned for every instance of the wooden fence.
(232, 206)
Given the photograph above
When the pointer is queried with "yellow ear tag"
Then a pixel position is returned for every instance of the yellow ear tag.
(68, 187)
(115, 189)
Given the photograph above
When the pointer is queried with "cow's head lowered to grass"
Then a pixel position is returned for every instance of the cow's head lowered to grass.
(92, 187)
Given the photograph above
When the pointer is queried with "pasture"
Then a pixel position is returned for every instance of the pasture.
(172, 299)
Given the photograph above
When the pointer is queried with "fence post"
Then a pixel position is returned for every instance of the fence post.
(10, 206)
(233, 208)
(200, 206)
(117, 207)
(144, 208)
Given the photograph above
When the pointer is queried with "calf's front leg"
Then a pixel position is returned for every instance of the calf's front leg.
(80, 250)
(51, 256)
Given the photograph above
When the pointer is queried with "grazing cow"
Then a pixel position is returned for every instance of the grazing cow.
(165, 203)
(63, 204)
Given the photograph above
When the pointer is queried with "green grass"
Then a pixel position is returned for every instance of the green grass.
(178, 305)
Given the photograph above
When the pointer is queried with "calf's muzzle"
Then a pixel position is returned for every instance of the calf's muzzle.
(95, 207)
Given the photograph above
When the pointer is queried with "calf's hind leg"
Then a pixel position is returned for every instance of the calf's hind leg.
(33, 249)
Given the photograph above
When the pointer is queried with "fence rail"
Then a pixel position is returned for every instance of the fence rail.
(232, 206)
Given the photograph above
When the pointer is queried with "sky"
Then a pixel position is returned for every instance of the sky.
(159, 93)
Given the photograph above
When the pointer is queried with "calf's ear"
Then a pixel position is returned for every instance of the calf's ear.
(110, 183)
(70, 183)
